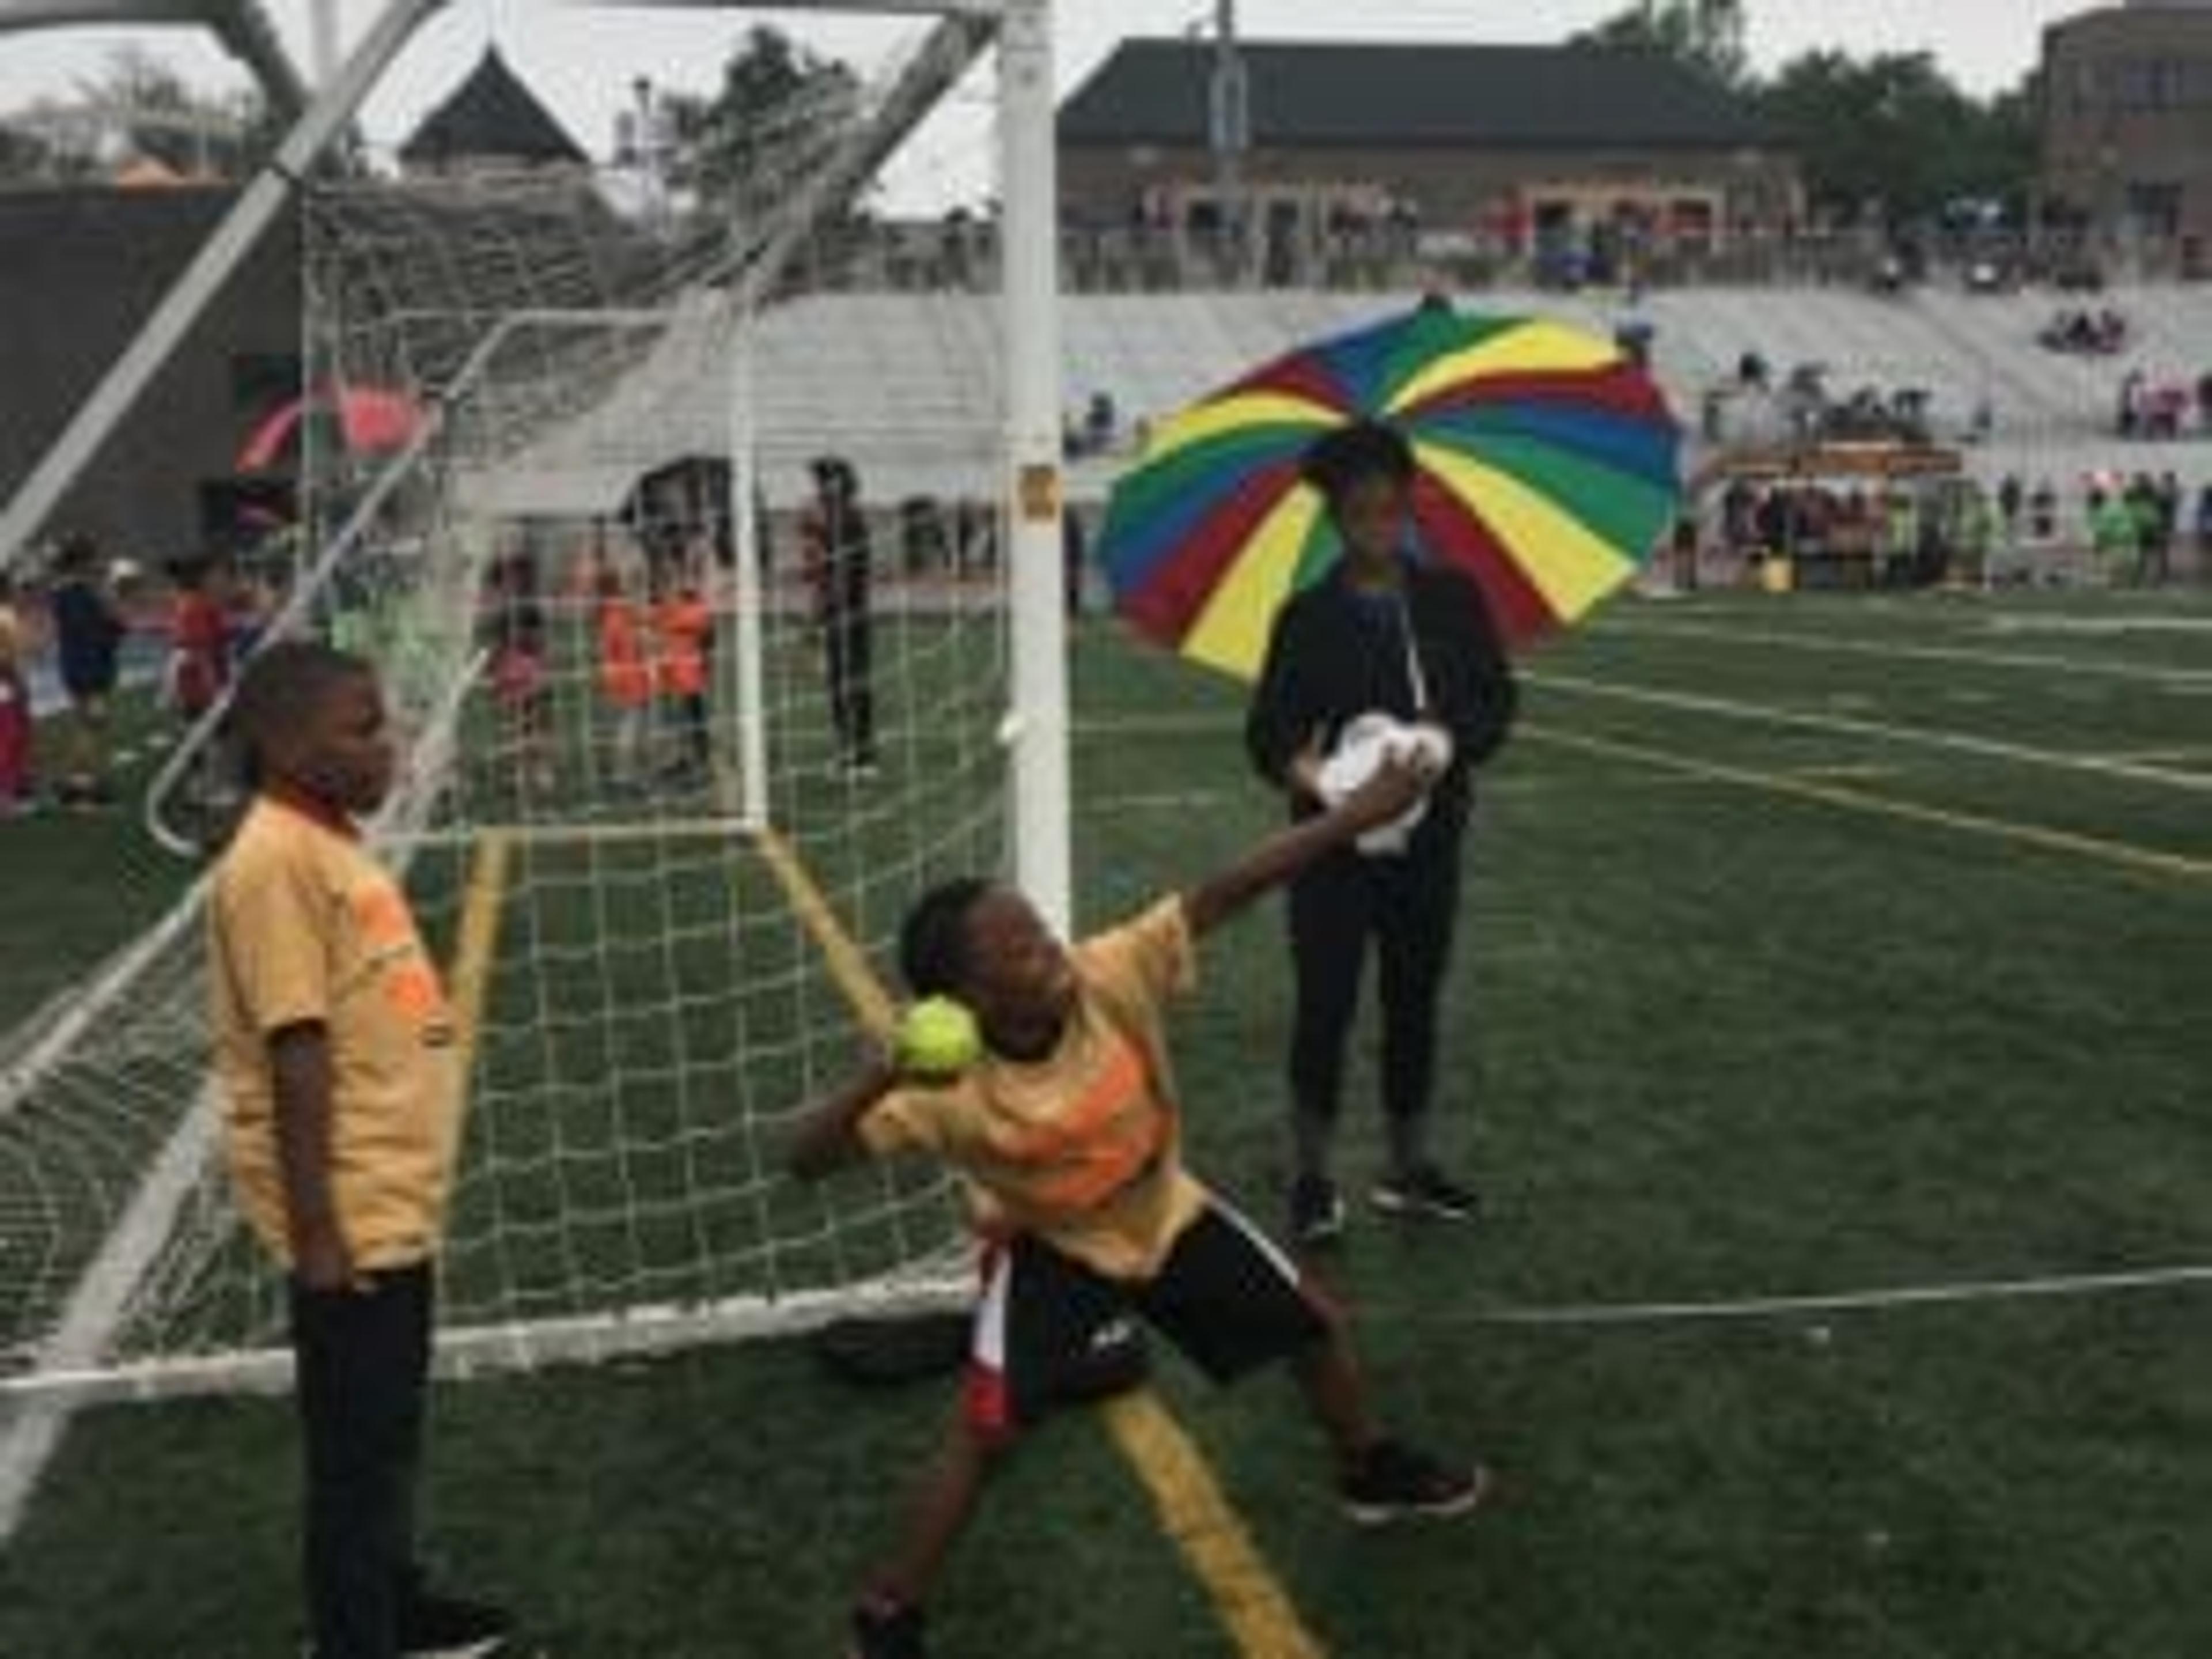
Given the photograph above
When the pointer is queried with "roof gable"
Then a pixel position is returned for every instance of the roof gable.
(491, 116)
(1397, 96)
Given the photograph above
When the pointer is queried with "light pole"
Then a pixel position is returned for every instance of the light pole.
(1231, 109)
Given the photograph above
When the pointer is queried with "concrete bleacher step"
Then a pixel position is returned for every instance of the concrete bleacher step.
(908, 383)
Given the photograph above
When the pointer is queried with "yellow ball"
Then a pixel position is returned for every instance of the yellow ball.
(938, 1038)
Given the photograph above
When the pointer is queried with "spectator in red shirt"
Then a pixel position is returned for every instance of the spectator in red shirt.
(199, 635)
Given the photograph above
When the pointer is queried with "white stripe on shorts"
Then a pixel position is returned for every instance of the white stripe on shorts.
(1258, 1240)
(990, 1341)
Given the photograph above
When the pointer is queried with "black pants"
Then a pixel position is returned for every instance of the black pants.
(364, 1362)
(687, 714)
(1407, 905)
(848, 634)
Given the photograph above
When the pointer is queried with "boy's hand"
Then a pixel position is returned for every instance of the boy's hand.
(323, 1262)
(1393, 787)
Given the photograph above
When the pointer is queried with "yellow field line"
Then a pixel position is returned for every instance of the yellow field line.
(848, 965)
(2124, 855)
(477, 944)
(1193, 1511)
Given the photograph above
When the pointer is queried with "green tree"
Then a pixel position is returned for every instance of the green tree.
(165, 118)
(779, 103)
(1706, 34)
(1894, 136)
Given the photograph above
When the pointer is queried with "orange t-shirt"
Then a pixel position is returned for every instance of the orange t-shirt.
(1083, 1148)
(200, 638)
(686, 626)
(624, 675)
(305, 927)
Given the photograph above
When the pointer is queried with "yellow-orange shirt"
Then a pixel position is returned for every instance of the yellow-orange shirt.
(305, 927)
(1081, 1149)
(685, 627)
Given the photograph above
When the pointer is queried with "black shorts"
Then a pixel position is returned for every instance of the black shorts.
(1048, 1327)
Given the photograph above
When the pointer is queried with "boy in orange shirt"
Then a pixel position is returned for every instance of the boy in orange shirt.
(625, 678)
(337, 1051)
(1066, 1130)
(684, 630)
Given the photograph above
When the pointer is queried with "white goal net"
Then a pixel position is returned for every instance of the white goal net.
(684, 574)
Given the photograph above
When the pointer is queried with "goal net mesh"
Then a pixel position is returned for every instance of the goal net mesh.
(681, 573)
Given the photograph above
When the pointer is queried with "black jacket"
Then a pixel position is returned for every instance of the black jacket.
(88, 635)
(1333, 657)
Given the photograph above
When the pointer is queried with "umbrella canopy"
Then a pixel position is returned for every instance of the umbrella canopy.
(371, 420)
(1546, 470)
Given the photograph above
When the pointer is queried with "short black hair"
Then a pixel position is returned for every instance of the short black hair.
(835, 476)
(191, 571)
(78, 553)
(933, 943)
(281, 684)
(1339, 459)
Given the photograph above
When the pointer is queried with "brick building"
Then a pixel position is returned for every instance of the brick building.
(1519, 149)
(2126, 112)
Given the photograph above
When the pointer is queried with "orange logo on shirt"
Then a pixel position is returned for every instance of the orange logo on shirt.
(381, 915)
(409, 983)
(1111, 1132)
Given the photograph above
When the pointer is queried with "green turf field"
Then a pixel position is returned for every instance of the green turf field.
(1813, 945)
(80, 884)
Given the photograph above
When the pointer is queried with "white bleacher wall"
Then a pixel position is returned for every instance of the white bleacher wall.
(904, 383)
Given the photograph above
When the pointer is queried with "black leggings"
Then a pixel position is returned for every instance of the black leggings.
(1408, 906)
(849, 639)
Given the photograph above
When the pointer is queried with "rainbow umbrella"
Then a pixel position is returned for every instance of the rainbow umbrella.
(1546, 469)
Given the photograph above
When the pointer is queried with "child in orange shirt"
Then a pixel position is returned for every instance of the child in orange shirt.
(338, 1055)
(199, 637)
(683, 627)
(625, 676)
(1068, 1128)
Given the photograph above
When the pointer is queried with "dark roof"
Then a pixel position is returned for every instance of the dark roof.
(491, 116)
(1406, 95)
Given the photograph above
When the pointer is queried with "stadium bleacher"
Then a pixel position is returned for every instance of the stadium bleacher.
(885, 377)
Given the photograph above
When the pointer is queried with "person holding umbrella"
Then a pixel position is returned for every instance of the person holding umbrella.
(1385, 637)
(1361, 528)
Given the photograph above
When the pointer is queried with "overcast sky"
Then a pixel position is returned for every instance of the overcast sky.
(582, 59)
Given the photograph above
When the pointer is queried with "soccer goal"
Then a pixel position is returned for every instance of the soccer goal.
(716, 586)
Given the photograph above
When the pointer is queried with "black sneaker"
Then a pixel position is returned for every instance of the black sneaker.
(888, 1629)
(1396, 1482)
(1317, 1210)
(433, 1626)
(1423, 1191)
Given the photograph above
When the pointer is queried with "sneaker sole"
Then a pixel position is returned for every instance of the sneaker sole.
(1384, 1514)
(1392, 1203)
(482, 1648)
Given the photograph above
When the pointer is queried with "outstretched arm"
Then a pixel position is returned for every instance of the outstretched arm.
(1396, 785)
(830, 1137)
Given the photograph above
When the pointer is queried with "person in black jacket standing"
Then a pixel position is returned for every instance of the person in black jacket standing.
(839, 556)
(1382, 632)
(88, 636)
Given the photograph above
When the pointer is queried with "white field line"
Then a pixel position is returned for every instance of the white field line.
(1202, 800)
(1880, 1300)
(2138, 673)
(1921, 737)
(2141, 622)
